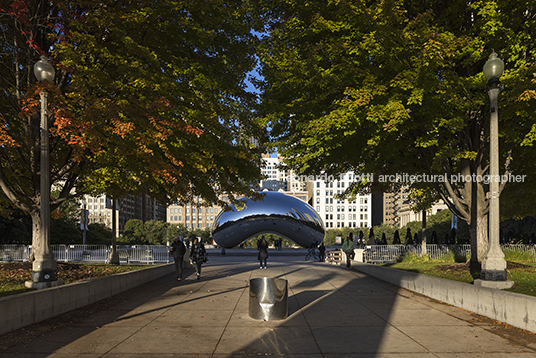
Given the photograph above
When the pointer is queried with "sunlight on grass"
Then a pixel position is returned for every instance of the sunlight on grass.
(454, 266)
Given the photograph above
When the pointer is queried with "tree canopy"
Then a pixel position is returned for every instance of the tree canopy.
(395, 86)
(148, 98)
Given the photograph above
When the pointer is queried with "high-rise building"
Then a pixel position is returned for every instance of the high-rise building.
(276, 177)
(339, 213)
(130, 207)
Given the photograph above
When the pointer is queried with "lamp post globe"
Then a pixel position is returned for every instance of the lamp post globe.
(44, 71)
(494, 273)
(493, 68)
(44, 265)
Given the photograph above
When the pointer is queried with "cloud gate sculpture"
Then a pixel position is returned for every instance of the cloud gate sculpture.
(276, 213)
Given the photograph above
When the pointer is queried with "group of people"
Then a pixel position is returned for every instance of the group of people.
(197, 256)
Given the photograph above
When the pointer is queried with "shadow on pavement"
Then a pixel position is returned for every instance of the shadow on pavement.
(333, 312)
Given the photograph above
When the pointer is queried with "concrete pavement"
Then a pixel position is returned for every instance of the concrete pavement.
(333, 312)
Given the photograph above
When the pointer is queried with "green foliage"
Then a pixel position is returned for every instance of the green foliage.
(331, 234)
(148, 98)
(205, 234)
(65, 231)
(517, 255)
(413, 258)
(440, 223)
(519, 230)
(454, 256)
(397, 87)
(15, 228)
(386, 229)
(159, 233)
(97, 234)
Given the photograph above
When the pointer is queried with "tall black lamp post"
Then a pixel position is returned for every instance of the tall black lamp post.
(494, 273)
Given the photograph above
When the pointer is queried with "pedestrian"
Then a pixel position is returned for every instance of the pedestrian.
(263, 253)
(178, 250)
(322, 252)
(348, 248)
(197, 256)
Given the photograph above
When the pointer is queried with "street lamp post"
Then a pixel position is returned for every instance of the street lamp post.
(494, 266)
(44, 265)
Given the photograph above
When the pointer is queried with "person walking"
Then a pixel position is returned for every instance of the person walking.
(348, 248)
(178, 250)
(322, 252)
(263, 252)
(197, 256)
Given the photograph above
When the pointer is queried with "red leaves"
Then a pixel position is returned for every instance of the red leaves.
(20, 9)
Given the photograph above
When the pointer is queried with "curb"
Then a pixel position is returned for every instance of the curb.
(27, 308)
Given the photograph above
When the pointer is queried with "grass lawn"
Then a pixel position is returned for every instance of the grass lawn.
(14, 274)
(522, 272)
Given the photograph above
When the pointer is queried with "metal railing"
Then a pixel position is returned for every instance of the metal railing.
(10, 253)
(391, 253)
(378, 254)
(134, 254)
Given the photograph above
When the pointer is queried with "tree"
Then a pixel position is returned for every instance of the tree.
(98, 234)
(148, 98)
(134, 232)
(384, 230)
(396, 87)
(396, 238)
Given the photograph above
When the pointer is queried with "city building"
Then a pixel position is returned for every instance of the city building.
(339, 213)
(195, 215)
(407, 215)
(276, 178)
(397, 208)
(130, 207)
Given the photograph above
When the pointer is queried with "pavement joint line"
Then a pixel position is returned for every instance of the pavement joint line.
(230, 317)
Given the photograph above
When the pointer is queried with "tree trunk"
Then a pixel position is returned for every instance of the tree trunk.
(478, 227)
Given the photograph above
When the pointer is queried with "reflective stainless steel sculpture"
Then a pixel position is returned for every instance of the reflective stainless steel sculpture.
(268, 298)
(277, 213)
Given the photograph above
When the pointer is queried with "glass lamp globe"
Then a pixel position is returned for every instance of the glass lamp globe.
(43, 70)
(494, 67)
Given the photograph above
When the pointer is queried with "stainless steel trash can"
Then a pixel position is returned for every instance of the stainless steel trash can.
(268, 298)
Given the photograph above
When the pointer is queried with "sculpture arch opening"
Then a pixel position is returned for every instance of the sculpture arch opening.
(276, 213)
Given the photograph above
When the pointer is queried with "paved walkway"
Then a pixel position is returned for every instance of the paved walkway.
(333, 312)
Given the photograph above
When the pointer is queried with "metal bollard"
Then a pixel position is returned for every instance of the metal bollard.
(268, 298)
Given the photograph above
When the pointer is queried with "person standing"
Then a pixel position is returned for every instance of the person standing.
(178, 250)
(322, 252)
(263, 252)
(198, 256)
(348, 248)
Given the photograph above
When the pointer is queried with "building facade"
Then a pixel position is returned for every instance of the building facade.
(195, 215)
(145, 208)
(339, 213)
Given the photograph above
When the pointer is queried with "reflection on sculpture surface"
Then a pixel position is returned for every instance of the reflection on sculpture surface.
(277, 213)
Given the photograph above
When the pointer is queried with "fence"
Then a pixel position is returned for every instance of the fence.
(133, 254)
(391, 253)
